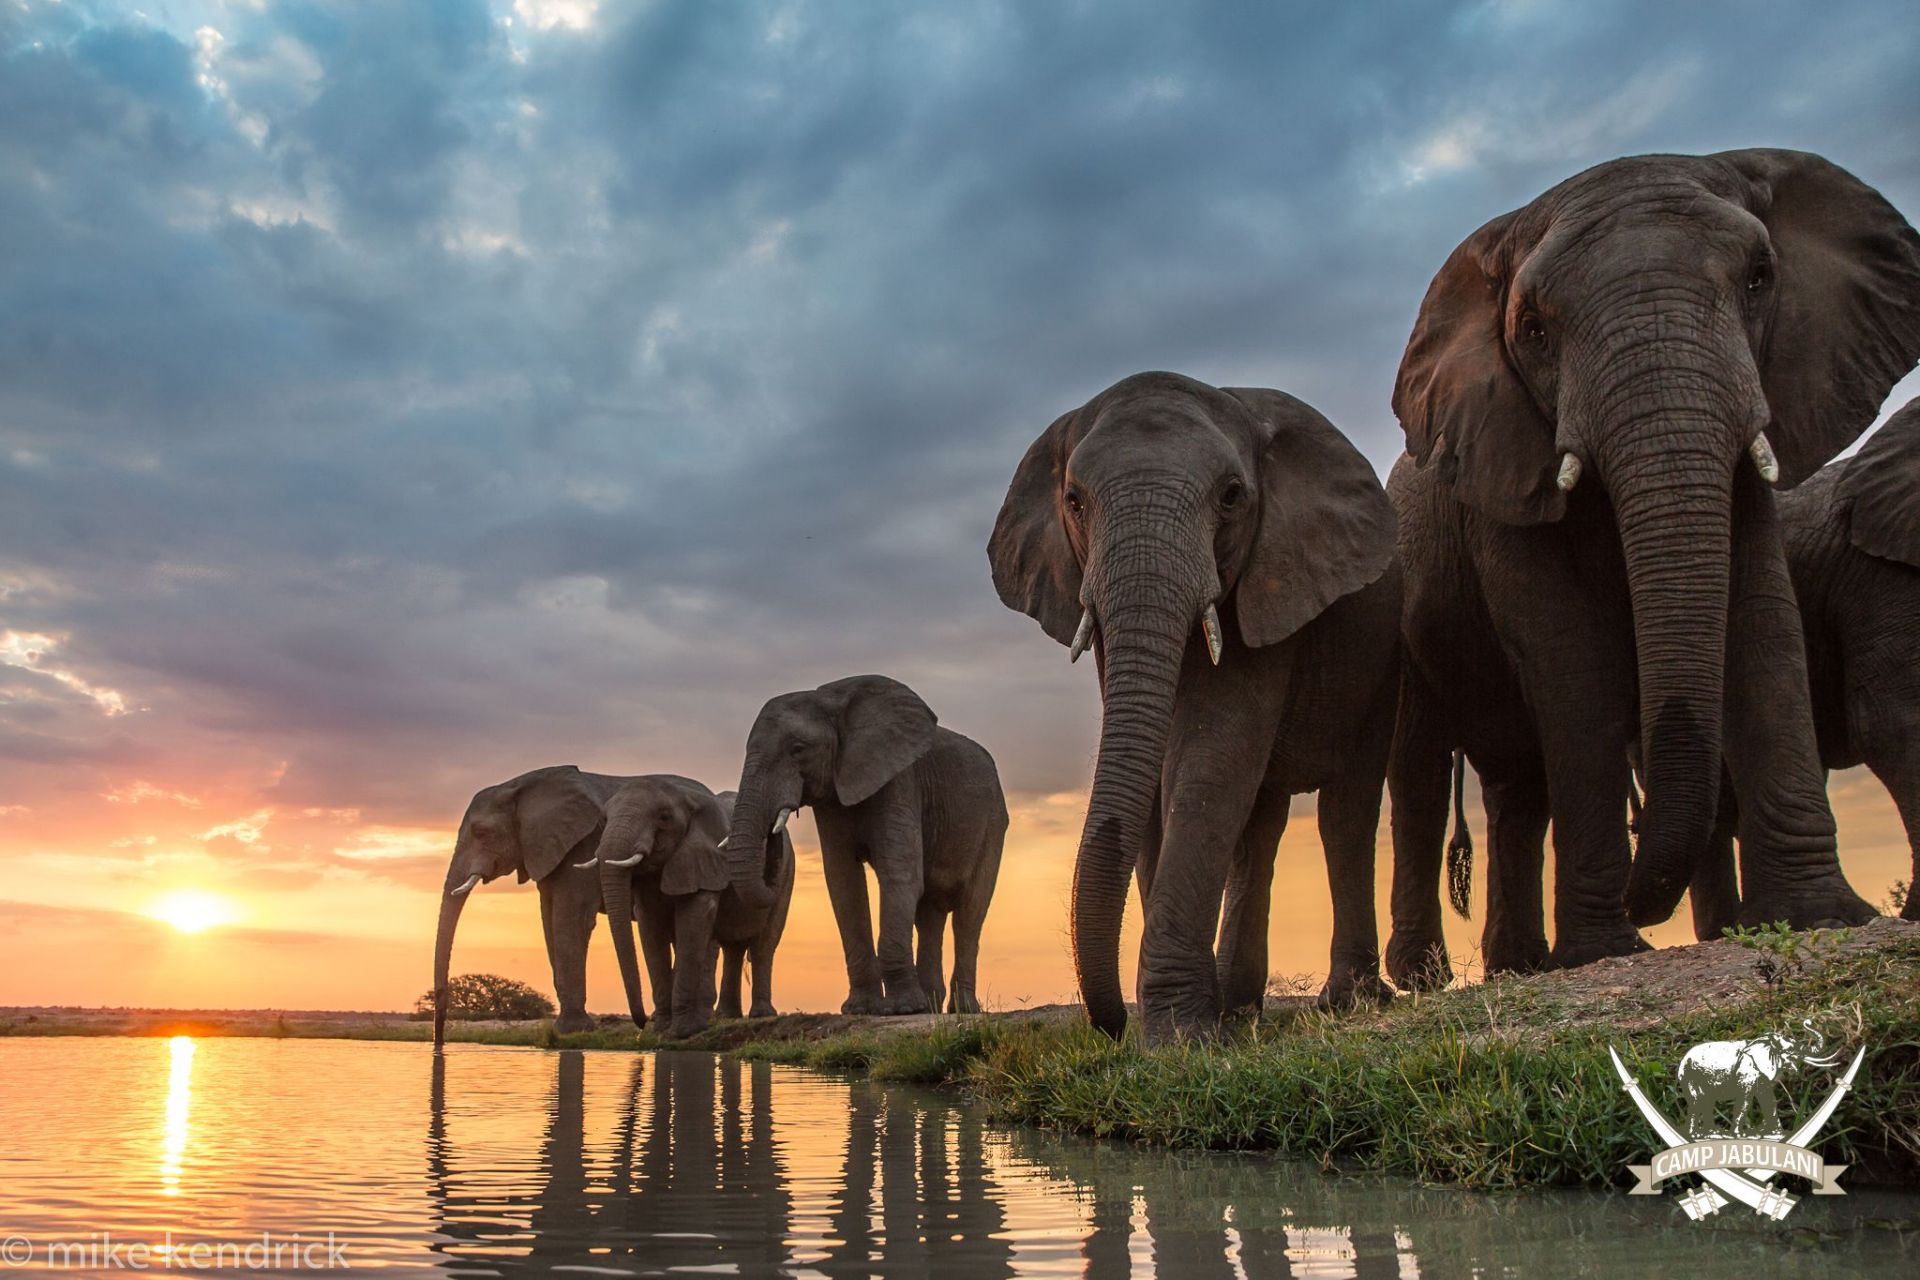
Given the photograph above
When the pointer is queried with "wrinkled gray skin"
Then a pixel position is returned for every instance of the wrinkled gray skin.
(1650, 318)
(1853, 547)
(1159, 498)
(536, 826)
(891, 789)
(659, 859)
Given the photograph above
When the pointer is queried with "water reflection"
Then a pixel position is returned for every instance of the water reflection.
(173, 1133)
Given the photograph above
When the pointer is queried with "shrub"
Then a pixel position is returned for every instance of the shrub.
(487, 995)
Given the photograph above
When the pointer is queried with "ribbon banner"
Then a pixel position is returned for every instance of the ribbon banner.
(1738, 1167)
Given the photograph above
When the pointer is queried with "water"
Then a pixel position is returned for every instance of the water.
(490, 1161)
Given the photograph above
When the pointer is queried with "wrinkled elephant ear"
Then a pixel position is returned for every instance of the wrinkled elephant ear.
(1326, 527)
(1846, 312)
(553, 811)
(1461, 404)
(1883, 480)
(884, 727)
(697, 862)
(1034, 569)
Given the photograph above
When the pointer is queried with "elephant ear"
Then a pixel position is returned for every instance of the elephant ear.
(1034, 569)
(554, 810)
(1846, 318)
(1326, 526)
(1460, 402)
(697, 863)
(1883, 480)
(884, 727)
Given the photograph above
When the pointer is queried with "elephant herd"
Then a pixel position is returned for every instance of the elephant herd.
(1579, 578)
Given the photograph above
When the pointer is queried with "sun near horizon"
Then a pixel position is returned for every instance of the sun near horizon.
(193, 910)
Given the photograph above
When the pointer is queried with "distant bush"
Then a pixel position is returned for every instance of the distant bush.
(487, 995)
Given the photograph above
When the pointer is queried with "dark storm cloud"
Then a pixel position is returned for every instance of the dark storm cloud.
(412, 396)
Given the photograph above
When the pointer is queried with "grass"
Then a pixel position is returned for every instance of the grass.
(1473, 1088)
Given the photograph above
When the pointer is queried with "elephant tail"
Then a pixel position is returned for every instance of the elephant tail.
(1460, 844)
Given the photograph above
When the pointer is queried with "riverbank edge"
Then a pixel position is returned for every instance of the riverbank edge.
(1502, 1084)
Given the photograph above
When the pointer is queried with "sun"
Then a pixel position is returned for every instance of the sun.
(193, 910)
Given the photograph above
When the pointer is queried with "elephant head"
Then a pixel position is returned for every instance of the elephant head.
(660, 826)
(1653, 324)
(1135, 523)
(525, 826)
(839, 743)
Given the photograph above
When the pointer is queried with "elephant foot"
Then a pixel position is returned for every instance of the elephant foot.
(1522, 955)
(862, 1002)
(1581, 949)
(690, 1025)
(1418, 962)
(728, 1008)
(1912, 910)
(963, 1002)
(574, 1020)
(1829, 903)
(911, 1000)
(1352, 991)
(763, 1009)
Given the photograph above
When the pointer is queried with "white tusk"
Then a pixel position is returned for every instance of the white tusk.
(1210, 624)
(1569, 472)
(723, 844)
(465, 888)
(780, 823)
(1763, 460)
(627, 862)
(590, 862)
(1081, 638)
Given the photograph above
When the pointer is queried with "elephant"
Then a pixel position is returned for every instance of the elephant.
(1744, 1072)
(1161, 510)
(892, 788)
(661, 845)
(537, 826)
(1687, 332)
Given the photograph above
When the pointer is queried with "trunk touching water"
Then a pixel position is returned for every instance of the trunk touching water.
(451, 905)
(1143, 621)
(1675, 514)
(616, 892)
(747, 843)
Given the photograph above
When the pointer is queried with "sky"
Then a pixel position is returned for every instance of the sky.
(397, 397)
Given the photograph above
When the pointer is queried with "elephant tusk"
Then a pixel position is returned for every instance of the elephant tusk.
(1210, 625)
(590, 862)
(1763, 460)
(724, 843)
(472, 880)
(780, 823)
(634, 861)
(1569, 472)
(1082, 637)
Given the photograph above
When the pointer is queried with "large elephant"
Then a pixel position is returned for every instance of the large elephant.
(891, 788)
(661, 845)
(1163, 510)
(1683, 331)
(537, 826)
(1853, 549)
(1744, 1072)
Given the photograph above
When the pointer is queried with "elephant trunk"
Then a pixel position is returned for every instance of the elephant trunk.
(451, 904)
(1145, 615)
(747, 860)
(1674, 506)
(618, 843)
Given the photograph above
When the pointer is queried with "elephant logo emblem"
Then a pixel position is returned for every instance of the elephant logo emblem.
(1733, 1137)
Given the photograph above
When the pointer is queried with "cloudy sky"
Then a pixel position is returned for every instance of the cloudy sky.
(394, 397)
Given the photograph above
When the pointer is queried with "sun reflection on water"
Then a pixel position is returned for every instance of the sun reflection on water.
(173, 1141)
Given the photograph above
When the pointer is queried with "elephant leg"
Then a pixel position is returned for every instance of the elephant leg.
(1904, 783)
(900, 868)
(1766, 1108)
(1715, 888)
(969, 918)
(1349, 828)
(1515, 937)
(1417, 776)
(1242, 961)
(760, 956)
(568, 913)
(693, 920)
(1699, 1113)
(847, 891)
(930, 927)
(732, 957)
(655, 911)
(1789, 859)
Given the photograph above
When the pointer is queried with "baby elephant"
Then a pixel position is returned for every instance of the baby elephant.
(661, 846)
(892, 789)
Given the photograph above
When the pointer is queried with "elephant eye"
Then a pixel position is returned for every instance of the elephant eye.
(1075, 503)
(797, 750)
(1759, 276)
(1232, 495)
(1532, 332)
